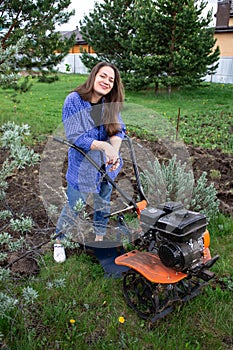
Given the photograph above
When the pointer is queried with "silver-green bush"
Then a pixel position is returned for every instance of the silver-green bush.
(173, 182)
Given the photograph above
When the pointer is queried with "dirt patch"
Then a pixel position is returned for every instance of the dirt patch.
(23, 193)
(219, 168)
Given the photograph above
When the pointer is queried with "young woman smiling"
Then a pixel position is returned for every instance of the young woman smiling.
(92, 121)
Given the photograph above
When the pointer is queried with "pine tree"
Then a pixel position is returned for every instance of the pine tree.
(36, 20)
(8, 58)
(109, 29)
(178, 48)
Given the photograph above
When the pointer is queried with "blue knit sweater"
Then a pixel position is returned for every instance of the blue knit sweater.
(81, 130)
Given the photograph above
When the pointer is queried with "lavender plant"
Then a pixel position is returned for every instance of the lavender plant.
(7, 304)
(12, 138)
(29, 295)
(173, 182)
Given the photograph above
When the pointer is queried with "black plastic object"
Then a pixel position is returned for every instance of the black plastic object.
(149, 217)
(182, 225)
(169, 207)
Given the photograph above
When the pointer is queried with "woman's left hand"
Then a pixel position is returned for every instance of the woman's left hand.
(115, 165)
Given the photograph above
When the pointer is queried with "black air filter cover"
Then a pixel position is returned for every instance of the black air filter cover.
(150, 215)
(169, 207)
(182, 225)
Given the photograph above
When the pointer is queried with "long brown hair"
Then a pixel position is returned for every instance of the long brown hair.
(113, 101)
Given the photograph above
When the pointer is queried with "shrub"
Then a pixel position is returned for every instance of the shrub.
(173, 182)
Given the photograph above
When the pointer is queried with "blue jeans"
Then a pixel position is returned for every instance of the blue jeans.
(67, 217)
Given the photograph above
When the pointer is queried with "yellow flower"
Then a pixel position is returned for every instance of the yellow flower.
(121, 319)
(72, 321)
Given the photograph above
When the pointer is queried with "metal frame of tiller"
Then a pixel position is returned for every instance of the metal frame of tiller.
(150, 288)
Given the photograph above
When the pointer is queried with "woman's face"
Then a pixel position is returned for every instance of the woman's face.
(103, 84)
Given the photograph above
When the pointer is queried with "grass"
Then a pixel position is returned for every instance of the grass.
(40, 107)
(78, 290)
(209, 106)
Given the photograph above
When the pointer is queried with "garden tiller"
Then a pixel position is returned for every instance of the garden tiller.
(172, 261)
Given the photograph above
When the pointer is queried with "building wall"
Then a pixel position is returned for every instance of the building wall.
(80, 48)
(225, 43)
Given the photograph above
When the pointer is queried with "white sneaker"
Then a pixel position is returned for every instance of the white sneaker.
(99, 238)
(59, 253)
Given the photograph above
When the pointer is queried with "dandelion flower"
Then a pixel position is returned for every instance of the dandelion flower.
(121, 319)
(72, 321)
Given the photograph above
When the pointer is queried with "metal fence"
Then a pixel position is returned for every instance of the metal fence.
(72, 64)
(224, 73)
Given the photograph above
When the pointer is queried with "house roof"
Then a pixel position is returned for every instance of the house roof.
(224, 12)
(78, 36)
(224, 29)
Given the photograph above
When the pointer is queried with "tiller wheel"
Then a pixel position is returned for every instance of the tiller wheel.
(139, 294)
(152, 301)
(153, 290)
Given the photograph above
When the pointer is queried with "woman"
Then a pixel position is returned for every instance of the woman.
(92, 121)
